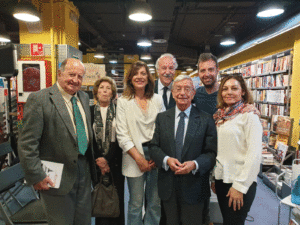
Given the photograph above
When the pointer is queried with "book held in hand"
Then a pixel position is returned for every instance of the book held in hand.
(54, 171)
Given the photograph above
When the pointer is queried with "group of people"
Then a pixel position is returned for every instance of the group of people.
(164, 136)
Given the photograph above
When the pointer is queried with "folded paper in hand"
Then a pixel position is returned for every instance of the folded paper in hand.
(54, 171)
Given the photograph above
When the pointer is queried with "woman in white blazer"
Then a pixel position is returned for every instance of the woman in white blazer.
(136, 113)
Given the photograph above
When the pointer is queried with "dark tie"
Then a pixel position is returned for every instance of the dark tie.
(179, 136)
(165, 98)
(80, 129)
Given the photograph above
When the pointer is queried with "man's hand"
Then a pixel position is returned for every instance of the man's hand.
(43, 185)
(152, 164)
(236, 198)
(103, 165)
(174, 164)
(186, 168)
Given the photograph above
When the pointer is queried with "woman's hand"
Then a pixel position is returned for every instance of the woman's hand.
(103, 165)
(236, 198)
(144, 164)
(213, 187)
(152, 164)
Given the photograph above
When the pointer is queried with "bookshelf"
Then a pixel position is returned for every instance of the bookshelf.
(269, 80)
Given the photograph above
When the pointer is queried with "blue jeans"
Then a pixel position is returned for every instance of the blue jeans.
(136, 198)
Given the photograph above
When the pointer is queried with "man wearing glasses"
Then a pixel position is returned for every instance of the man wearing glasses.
(184, 164)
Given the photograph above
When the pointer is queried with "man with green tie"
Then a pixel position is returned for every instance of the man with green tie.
(57, 128)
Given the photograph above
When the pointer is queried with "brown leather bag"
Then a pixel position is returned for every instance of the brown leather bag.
(105, 200)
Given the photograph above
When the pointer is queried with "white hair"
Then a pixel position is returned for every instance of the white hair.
(166, 55)
(182, 77)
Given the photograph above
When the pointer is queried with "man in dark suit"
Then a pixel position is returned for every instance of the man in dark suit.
(57, 128)
(184, 148)
(165, 65)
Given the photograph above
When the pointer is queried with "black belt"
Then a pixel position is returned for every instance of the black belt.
(146, 144)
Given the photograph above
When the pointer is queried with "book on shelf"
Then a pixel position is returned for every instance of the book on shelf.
(265, 124)
(282, 125)
(281, 152)
(266, 136)
(272, 139)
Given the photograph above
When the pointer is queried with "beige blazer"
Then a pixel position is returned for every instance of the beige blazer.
(133, 129)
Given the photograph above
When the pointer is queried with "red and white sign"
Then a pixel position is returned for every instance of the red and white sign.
(37, 49)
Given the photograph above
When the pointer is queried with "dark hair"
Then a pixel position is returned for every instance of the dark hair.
(110, 81)
(129, 90)
(206, 57)
(247, 97)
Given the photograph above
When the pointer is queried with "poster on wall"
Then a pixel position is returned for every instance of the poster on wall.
(93, 73)
(31, 78)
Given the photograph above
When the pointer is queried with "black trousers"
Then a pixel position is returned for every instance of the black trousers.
(178, 212)
(231, 217)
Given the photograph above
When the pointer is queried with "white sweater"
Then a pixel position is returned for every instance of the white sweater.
(239, 151)
(134, 127)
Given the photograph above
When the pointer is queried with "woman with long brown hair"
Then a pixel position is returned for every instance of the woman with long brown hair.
(239, 150)
(136, 113)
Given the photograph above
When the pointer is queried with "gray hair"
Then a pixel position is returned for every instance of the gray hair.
(180, 78)
(65, 62)
(166, 55)
(204, 57)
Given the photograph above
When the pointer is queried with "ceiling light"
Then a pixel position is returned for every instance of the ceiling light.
(159, 38)
(4, 37)
(144, 42)
(26, 11)
(140, 12)
(270, 10)
(189, 69)
(79, 43)
(151, 69)
(183, 72)
(228, 38)
(150, 64)
(99, 54)
(145, 56)
(113, 61)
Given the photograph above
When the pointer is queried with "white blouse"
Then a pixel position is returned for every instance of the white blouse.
(239, 151)
(135, 127)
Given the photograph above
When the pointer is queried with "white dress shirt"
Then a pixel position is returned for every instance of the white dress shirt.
(67, 98)
(186, 121)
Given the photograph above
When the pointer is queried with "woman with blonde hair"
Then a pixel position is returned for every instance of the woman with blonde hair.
(136, 113)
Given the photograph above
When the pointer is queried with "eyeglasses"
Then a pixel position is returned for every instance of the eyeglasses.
(185, 89)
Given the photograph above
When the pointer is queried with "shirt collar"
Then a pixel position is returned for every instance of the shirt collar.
(66, 95)
(187, 111)
(161, 86)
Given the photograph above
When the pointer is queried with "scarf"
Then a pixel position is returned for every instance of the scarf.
(223, 115)
(111, 113)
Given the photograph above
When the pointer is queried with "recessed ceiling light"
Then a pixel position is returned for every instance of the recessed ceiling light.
(144, 42)
(99, 54)
(270, 11)
(150, 64)
(140, 12)
(145, 56)
(26, 11)
(189, 69)
(113, 61)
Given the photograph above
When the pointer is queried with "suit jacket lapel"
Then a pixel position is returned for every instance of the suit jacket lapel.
(61, 107)
(193, 124)
(171, 133)
(86, 107)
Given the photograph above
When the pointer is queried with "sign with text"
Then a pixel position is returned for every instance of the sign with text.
(37, 49)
